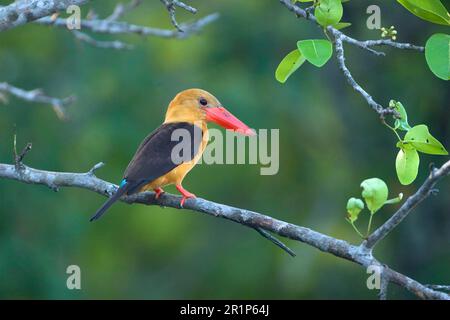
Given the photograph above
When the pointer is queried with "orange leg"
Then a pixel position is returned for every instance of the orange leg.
(158, 192)
(186, 194)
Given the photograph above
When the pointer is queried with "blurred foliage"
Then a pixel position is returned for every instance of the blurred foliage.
(330, 140)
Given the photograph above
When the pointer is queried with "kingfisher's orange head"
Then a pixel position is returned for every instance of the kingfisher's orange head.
(197, 105)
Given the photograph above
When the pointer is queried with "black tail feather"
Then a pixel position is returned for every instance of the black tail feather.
(110, 201)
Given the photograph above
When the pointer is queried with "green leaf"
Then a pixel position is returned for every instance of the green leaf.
(354, 207)
(407, 165)
(402, 122)
(317, 52)
(289, 65)
(341, 25)
(429, 10)
(421, 139)
(328, 12)
(375, 193)
(437, 54)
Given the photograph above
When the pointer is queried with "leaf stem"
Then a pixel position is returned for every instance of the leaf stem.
(393, 129)
(356, 229)
(395, 200)
(369, 226)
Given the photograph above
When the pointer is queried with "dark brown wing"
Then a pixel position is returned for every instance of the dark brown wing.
(154, 156)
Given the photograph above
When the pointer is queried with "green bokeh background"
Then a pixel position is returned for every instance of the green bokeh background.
(330, 140)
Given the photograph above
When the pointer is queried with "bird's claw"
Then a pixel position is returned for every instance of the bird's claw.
(186, 194)
(158, 193)
(185, 197)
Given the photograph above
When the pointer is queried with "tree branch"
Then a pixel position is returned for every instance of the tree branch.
(115, 44)
(106, 26)
(339, 48)
(24, 11)
(438, 287)
(38, 96)
(383, 285)
(21, 12)
(277, 242)
(339, 38)
(18, 158)
(41, 12)
(171, 6)
(368, 44)
(361, 254)
(120, 10)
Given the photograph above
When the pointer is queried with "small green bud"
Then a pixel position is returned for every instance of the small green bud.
(354, 207)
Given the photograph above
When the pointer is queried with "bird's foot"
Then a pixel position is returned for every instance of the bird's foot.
(186, 194)
(185, 197)
(158, 192)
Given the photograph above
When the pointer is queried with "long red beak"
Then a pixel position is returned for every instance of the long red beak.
(225, 119)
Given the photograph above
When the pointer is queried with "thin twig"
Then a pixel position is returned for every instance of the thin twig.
(38, 96)
(384, 42)
(25, 150)
(277, 242)
(46, 13)
(339, 38)
(119, 27)
(115, 44)
(339, 48)
(367, 44)
(121, 9)
(438, 287)
(95, 168)
(382, 295)
(171, 8)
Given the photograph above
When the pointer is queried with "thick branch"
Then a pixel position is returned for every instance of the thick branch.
(38, 96)
(424, 191)
(340, 248)
(23, 11)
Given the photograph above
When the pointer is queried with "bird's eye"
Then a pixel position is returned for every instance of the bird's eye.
(203, 102)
